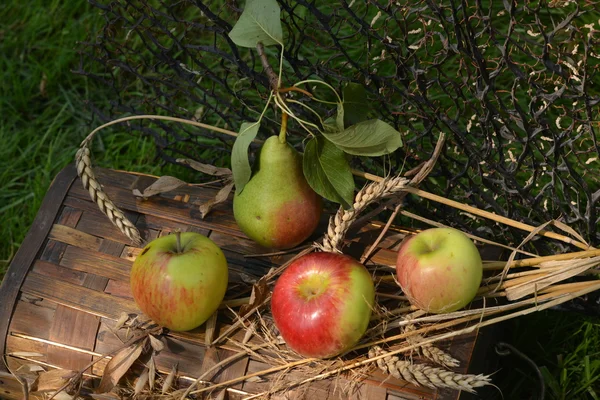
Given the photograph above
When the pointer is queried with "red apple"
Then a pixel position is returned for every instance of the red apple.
(179, 282)
(439, 269)
(322, 304)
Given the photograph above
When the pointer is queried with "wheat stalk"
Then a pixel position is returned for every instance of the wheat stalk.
(340, 223)
(424, 375)
(430, 351)
(91, 184)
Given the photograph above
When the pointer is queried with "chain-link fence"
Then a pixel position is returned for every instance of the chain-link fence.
(514, 85)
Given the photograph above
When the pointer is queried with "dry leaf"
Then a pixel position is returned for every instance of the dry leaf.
(54, 379)
(162, 185)
(220, 197)
(119, 365)
(209, 332)
(249, 332)
(169, 380)
(156, 343)
(31, 368)
(205, 168)
(121, 321)
(151, 372)
(260, 291)
(141, 382)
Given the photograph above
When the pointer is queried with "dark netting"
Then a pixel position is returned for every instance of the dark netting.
(514, 85)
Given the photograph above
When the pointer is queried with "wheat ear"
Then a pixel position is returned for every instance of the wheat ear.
(340, 223)
(430, 351)
(90, 183)
(421, 374)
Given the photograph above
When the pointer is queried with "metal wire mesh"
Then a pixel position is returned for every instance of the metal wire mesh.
(513, 84)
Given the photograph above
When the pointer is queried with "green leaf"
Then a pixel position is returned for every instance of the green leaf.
(356, 106)
(368, 138)
(240, 165)
(260, 22)
(328, 172)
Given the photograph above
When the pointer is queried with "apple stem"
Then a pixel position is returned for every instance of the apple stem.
(178, 237)
(283, 130)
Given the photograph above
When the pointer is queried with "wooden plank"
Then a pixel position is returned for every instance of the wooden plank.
(113, 267)
(78, 297)
(55, 271)
(97, 224)
(214, 356)
(27, 252)
(33, 319)
(370, 392)
(74, 237)
(173, 210)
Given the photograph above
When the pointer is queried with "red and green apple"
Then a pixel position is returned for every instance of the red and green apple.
(179, 280)
(322, 304)
(439, 269)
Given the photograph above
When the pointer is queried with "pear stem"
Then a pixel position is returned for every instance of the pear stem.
(283, 130)
(178, 237)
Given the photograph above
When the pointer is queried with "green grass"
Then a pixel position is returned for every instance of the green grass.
(40, 131)
(42, 124)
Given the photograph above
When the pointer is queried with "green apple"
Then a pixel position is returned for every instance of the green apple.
(439, 269)
(180, 280)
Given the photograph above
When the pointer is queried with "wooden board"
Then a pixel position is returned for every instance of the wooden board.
(69, 283)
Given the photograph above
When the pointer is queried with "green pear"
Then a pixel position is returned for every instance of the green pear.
(277, 208)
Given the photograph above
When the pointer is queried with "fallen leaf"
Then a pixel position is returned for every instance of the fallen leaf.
(121, 321)
(220, 197)
(151, 372)
(249, 332)
(205, 168)
(31, 368)
(141, 383)
(54, 379)
(260, 291)
(119, 365)
(156, 343)
(169, 380)
(162, 185)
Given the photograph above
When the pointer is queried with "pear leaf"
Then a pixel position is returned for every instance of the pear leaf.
(240, 165)
(327, 171)
(368, 138)
(260, 22)
(356, 106)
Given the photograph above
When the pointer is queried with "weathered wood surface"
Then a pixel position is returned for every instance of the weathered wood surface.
(69, 283)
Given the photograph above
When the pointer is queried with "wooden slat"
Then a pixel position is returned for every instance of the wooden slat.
(173, 210)
(27, 252)
(33, 319)
(74, 237)
(56, 271)
(78, 297)
(111, 267)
